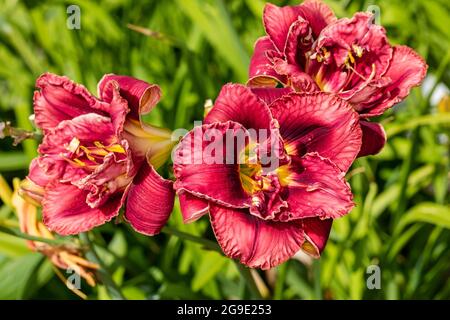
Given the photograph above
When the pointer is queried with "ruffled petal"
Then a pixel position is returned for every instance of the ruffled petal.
(149, 202)
(38, 175)
(356, 51)
(64, 209)
(360, 31)
(406, 70)
(255, 242)
(319, 122)
(146, 141)
(205, 166)
(316, 232)
(239, 104)
(373, 138)
(318, 14)
(315, 187)
(277, 21)
(60, 99)
(117, 107)
(261, 73)
(297, 79)
(88, 127)
(192, 207)
(142, 97)
(113, 175)
(368, 96)
(269, 95)
(299, 43)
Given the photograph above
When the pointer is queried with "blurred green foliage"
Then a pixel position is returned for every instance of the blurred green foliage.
(402, 218)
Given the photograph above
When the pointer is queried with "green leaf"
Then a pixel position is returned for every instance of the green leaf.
(133, 293)
(390, 195)
(426, 212)
(430, 119)
(211, 264)
(178, 291)
(299, 285)
(12, 246)
(439, 16)
(13, 161)
(402, 240)
(214, 21)
(18, 275)
(118, 244)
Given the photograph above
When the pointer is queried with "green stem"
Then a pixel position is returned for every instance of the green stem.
(19, 234)
(281, 278)
(105, 276)
(249, 280)
(431, 119)
(316, 274)
(186, 236)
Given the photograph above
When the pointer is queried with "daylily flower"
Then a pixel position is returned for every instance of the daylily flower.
(97, 154)
(308, 49)
(62, 256)
(262, 213)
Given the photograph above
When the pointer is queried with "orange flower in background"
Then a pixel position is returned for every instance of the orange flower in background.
(61, 256)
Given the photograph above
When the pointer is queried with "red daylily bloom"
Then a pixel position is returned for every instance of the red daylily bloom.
(308, 49)
(262, 213)
(97, 154)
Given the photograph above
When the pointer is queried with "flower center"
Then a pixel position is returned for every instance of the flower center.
(251, 177)
(350, 61)
(90, 156)
(264, 171)
(265, 190)
(251, 172)
(349, 66)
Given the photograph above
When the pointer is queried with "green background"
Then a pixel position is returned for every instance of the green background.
(402, 218)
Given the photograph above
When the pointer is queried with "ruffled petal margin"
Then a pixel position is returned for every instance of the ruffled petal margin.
(65, 211)
(255, 242)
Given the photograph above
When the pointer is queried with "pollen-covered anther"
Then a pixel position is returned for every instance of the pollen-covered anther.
(256, 201)
(358, 50)
(117, 148)
(73, 145)
(320, 57)
(350, 58)
(91, 156)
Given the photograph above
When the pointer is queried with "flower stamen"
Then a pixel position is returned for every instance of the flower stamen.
(90, 157)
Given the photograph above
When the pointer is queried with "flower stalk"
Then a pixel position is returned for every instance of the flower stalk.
(186, 236)
(22, 235)
(249, 280)
(17, 134)
(106, 278)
